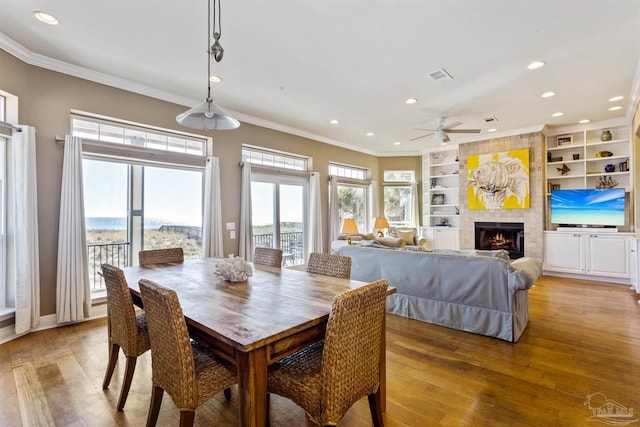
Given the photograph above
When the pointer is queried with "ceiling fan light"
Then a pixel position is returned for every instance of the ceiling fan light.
(207, 116)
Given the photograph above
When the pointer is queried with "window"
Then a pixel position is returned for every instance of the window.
(273, 159)
(353, 190)
(397, 196)
(3, 222)
(278, 202)
(132, 204)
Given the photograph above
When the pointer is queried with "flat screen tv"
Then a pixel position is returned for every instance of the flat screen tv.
(588, 207)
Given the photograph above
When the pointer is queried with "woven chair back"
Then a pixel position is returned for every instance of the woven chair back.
(351, 356)
(267, 256)
(329, 265)
(173, 368)
(121, 313)
(161, 256)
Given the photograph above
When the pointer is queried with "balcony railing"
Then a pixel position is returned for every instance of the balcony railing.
(117, 254)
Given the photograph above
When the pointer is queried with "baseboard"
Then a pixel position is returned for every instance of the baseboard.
(49, 321)
(612, 280)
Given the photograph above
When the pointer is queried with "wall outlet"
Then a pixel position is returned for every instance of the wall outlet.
(232, 235)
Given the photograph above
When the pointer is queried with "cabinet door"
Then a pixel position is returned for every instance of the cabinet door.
(446, 238)
(430, 235)
(563, 252)
(607, 255)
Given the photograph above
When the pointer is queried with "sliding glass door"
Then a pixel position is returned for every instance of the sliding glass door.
(278, 215)
(130, 207)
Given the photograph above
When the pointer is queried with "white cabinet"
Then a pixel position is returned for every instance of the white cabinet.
(588, 253)
(441, 238)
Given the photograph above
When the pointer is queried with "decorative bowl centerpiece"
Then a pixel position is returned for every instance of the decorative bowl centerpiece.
(234, 269)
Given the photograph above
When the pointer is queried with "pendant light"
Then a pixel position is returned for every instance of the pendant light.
(208, 116)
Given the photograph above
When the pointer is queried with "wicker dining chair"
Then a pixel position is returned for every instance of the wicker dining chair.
(127, 331)
(188, 373)
(326, 379)
(329, 265)
(161, 256)
(267, 256)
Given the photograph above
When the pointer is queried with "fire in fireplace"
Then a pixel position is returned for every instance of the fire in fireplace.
(501, 235)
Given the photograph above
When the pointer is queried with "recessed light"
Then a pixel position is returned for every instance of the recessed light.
(617, 107)
(396, 143)
(548, 94)
(369, 133)
(492, 130)
(215, 79)
(46, 18)
(558, 114)
(334, 121)
(583, 121)
(535, 65)
(616, 98)
(411, 100)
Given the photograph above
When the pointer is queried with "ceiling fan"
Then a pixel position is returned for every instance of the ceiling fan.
(441, 131)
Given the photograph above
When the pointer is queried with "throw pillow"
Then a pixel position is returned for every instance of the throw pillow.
(392, 242)
(407, 236)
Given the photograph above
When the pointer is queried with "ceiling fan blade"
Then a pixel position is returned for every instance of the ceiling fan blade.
(426, 130)
(420, 137)
(464, 130)
(452, 125)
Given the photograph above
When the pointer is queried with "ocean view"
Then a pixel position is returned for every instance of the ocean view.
(120, 223)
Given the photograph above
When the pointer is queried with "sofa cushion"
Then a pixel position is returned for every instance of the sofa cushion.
(392, 242)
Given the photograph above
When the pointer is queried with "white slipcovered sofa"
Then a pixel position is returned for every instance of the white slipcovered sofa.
(475, 291)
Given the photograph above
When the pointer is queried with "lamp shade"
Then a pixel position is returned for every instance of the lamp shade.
(349, 226)
(381, 222)
(207, 116)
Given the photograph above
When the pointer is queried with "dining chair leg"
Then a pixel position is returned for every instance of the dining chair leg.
(126, 384)
(113, 358)
(227, 393)
(375, 406)
(154, 406)
(186, 417)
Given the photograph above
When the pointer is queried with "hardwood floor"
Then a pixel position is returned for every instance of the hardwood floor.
(582, 338)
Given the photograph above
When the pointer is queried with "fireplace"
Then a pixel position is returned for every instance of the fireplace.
(501, 235)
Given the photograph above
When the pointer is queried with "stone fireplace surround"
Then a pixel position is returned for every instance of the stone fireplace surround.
(532, 218)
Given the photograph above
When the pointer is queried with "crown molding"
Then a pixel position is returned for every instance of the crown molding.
(13, 48)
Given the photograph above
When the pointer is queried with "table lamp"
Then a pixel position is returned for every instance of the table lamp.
(381, 222)
(349, 227)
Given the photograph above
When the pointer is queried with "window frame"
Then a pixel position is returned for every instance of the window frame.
(399, 184)
(355, 177)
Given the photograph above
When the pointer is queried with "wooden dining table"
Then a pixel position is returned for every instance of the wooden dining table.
(251, 324)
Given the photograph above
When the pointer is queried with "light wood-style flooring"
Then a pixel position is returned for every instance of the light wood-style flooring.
(583, 338)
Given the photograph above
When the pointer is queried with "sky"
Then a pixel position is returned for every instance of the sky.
(174, 195)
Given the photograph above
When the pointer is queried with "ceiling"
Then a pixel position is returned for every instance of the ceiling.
(295, 65)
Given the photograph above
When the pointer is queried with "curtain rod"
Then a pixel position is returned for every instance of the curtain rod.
(9, 125)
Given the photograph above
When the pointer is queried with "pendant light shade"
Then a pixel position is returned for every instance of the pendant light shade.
(208, 116)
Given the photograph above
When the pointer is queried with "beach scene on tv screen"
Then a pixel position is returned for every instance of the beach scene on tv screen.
(588, 207)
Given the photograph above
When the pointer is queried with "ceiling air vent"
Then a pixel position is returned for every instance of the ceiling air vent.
(440, 75)
(491, 119)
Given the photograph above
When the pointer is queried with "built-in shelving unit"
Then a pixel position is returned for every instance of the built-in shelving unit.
(580, 159)
(441, 202)
(440, 182)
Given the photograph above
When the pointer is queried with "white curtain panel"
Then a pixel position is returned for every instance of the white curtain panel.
(73, 297)
(246, 232)
(23, 268)
(374, 207)
(314, 227)
(212, 222)
(415, 210)
(334, 215)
